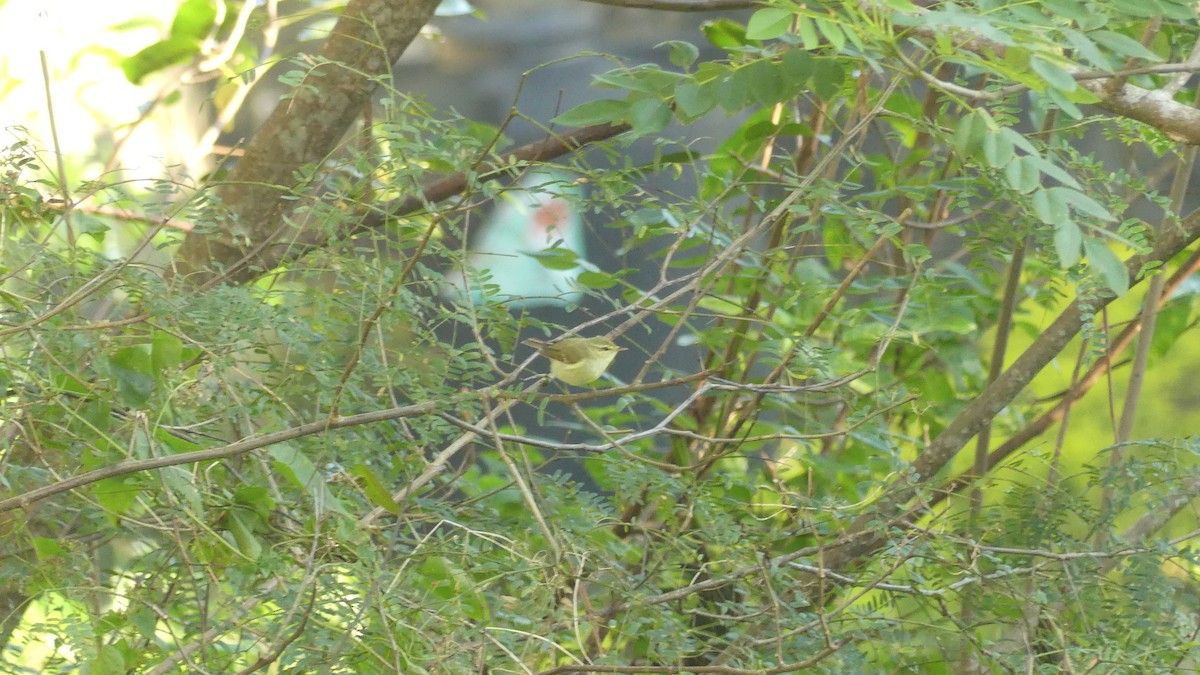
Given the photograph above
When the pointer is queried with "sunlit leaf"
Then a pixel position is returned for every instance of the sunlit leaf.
(768, 23)
(594, 112)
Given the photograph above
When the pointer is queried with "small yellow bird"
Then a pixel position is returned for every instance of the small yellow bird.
(577, 360)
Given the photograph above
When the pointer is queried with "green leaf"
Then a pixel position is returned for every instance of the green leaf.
(649, 116)
(1060, 100)
(1055, 171)
(446, 580)
(1124, 45)
(1110, 267)
(1067, 240)
(131, 368)
(257, 499)
(985, 24)
(594, 112)
(724, 33)
(194, 19)
(969, 134)
(1053, 74)
(719, 305)
(180, 482)
(117, 494)
(241, 525)
(1174, 320)
(1085, 204)
(1019, 140)
(832, 32)
(373, 488)
(733, 91)
(1023, 175)
(45, 548)
(997, 150)
(108, 661)
(166, 351)
(837, 245)
(797, 66)
(144, 621)
(1087, 48)
(596, 280)
(766, 82)
(808, 33)
(290, 462)
(1067, 9)
(1051, 207)
(159, 56)
(671, 159)
(693, 100)
(1178, 10)
(556, 258)
(827, 78)
(767, 24)
(682, 54)
(648, 79)
(95, 228)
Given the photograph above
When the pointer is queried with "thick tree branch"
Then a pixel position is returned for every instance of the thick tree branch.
(1177, 120)
(1159, 110)
(368, 38)
(538, 151)
(444, 187)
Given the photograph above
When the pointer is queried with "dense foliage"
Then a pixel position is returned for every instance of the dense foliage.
(848, 431)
